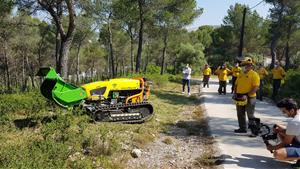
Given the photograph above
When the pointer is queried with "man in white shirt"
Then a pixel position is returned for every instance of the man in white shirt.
(289, 148)
(186, 78)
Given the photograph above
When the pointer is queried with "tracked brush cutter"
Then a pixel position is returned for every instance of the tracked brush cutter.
(121, 99)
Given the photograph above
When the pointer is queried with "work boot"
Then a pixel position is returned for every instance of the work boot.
(240, 131)
(296, 165)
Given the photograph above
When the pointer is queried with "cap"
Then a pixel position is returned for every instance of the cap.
(246, 61)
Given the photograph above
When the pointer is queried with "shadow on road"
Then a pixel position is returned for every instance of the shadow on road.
(247, 161)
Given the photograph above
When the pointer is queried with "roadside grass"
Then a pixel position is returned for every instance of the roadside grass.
(67, 140)
(207, 159)
(168, 141)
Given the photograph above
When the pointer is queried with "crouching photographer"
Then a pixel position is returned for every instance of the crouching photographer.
(289, 148)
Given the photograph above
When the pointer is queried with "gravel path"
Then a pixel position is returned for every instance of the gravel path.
(183, 145)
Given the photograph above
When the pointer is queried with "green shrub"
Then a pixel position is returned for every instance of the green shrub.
(291, 87)
(58, 128)
(158, 79)
(175, 78)
(153, 69)
(38, 154)
(27, 104)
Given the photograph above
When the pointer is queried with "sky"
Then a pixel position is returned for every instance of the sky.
(215, 10)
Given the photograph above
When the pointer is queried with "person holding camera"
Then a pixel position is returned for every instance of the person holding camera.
(289, 148)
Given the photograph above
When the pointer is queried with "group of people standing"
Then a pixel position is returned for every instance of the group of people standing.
(223, 74)
(247, 86)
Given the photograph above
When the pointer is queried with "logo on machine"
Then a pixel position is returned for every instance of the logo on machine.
(114, 85)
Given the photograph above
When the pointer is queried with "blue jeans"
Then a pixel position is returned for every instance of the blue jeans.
(186, 82)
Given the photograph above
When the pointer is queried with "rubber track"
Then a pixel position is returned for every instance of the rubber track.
(109, 108)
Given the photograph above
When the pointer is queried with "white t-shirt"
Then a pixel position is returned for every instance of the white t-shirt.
(293, 127)
(187, 73)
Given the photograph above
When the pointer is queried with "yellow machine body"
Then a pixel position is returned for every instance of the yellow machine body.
(112, 88)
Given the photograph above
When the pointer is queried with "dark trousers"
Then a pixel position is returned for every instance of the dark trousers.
(276, 87)
(233, 80)
(241, 112)
(222, 87)
(206, 80)
(259, 93)
(186, 82)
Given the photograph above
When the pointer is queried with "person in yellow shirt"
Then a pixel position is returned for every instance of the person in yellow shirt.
(222, 73)
(262, 72)
(235, 73)
(245, 89)
(206, 75)
(278, 75)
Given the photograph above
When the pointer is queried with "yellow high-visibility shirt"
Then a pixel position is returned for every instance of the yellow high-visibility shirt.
(246, 82)
(278, 73)
(223, 74)
(236, 70)
(262, 72)
(207, 71)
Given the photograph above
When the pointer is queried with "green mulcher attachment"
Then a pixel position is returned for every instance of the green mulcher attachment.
(56, 89)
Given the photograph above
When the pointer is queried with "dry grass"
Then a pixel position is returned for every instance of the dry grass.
(206, 159)
(168, 141)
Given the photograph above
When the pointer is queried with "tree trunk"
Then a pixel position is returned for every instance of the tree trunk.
(273, 51)
(32, 81)
(108, 66)
(92, 69)
(30, 68)
(65, 37)
(40, 51)
(64, 57)
(78, 62)
(111, 53)
(123, 65)
(131, 54)
(24, 82)
(276, 36)
(57, 48)
(287, 47)
(147, 58)
(129, 31)
(117, 68)
(8, 85)
(162, 70)
(174, 65)
(141, 31)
